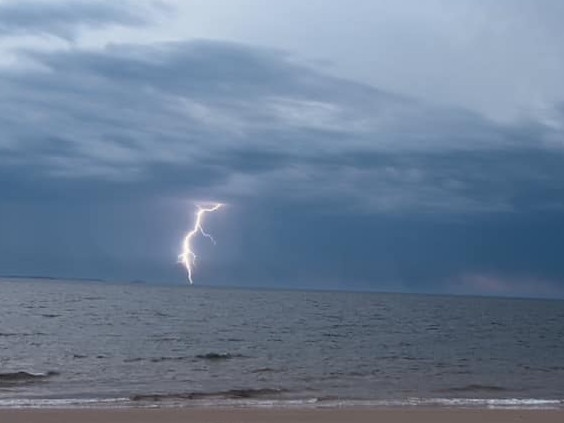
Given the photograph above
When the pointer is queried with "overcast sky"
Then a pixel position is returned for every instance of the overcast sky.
(412, 146)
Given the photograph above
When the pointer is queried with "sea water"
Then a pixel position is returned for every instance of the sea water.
(65, 344)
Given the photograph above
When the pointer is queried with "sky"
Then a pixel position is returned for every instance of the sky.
(413, 146)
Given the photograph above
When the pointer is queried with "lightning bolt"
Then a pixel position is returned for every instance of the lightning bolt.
(188, 258)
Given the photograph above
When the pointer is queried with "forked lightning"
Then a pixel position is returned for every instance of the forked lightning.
(188, 258)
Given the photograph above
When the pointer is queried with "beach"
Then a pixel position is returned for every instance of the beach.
(185, 415)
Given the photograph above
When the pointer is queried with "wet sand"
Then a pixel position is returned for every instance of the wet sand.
(280, 416)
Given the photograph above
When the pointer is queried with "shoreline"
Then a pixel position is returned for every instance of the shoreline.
(213, 403)
(277, 415)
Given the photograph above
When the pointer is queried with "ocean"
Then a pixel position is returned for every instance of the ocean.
(76, 344)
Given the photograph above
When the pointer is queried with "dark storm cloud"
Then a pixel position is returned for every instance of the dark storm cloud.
(330, 180)
(63, 18)
(231, 120)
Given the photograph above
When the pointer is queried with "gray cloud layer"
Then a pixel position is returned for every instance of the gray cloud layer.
(64, 18)
(222, 120)
(504, 58)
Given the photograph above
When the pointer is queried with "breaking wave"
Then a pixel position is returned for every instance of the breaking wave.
(225, 395)
(24, 377)
(475, 388)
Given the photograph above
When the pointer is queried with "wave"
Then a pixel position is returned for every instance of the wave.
(224, 395)
(161, 359)
(75, 403)
(475, 388)
(208, 356)
(334, 335)
(273, 398)
(497, 403)
(509, 403)
(24, 377)
(265, 370)
(218, 356)
(9, 334)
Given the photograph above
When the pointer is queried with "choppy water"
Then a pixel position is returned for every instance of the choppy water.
(64, 344)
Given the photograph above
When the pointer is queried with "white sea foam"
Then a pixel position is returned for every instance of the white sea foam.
(505, 403)
(509, 403)
(62, 402)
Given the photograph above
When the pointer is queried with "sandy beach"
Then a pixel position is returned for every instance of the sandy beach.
(279, 416)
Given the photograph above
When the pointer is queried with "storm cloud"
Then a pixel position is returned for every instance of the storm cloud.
(65, 18)
(330, 182)
(231, 120)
